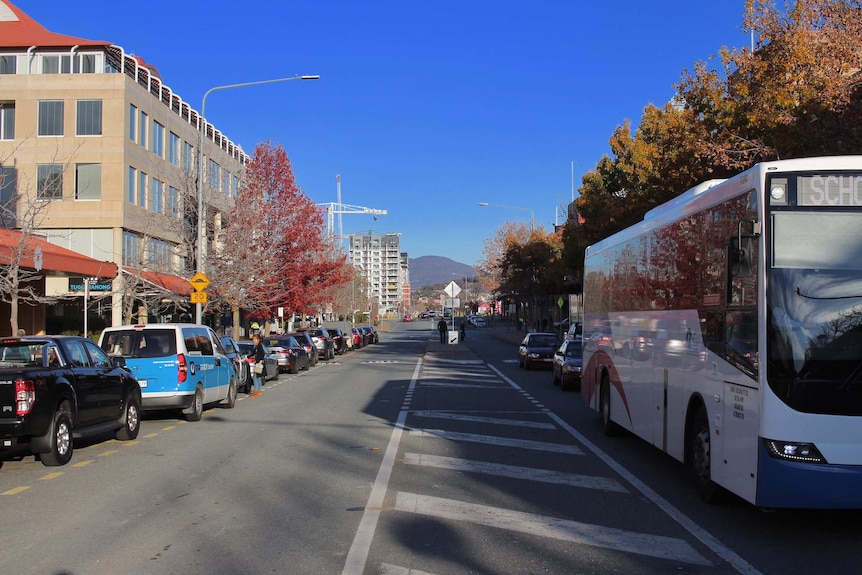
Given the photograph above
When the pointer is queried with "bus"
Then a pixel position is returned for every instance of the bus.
(726, 330)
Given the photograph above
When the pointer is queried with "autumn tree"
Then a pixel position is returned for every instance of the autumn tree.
(274, 251)
(491, 270)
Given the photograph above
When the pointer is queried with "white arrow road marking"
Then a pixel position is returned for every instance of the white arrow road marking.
(387, 569)
(502, 441)
(542, 526)
(515, 472)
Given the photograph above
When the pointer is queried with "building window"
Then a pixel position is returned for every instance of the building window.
(49, 181)
(85, 64)
(142, 130)
(188, 157)
(157, 201)
(7, 120)
(88, 181)
(225, 182)
(142, 189)
(214, 169)
(173, 207)
(56, 64)
(158, 139)
(50, 117)
(174, 149)
(132, 177)
(133, 115)
(131, 249)
(8, 64)
(234, 187)
(89, 121)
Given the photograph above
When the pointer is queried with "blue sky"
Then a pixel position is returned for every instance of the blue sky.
(425, 109)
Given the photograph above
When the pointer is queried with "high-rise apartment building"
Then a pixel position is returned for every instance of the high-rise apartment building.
(105, 156)
(379, 259)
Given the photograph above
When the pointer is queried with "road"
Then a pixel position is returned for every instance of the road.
(402, 458)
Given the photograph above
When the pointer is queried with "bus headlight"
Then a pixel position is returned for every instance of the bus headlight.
(793, 451)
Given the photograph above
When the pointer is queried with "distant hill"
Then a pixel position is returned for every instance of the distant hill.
(430, 270)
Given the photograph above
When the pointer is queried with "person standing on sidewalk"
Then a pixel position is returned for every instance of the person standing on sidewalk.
(442, 327)
(258, 368)
(463, 328)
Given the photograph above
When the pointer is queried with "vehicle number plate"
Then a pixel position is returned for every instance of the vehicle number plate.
(142, 382)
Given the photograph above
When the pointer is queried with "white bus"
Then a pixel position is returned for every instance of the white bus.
(726, 330)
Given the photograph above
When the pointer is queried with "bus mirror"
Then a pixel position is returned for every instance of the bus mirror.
(739, 257)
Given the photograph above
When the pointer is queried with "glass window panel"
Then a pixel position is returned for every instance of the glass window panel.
(88, 181)
(49, 181)
(51, 117)
(7, 120)
(89, 121)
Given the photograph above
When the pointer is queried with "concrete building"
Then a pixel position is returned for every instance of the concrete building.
(101, 157)
(379, 259)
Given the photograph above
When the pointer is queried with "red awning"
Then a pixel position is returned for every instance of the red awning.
(53, 257)
(168, 282)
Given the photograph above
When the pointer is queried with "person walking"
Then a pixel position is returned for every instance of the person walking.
(463, 328)
(257, 373)
(442, 328)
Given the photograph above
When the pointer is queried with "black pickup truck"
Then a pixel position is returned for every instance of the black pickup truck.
(54, 389)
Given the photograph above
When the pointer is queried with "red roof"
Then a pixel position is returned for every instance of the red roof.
(18, 30)
(169, 282)
(54, 258)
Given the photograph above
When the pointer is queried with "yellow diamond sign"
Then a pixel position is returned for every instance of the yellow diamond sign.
(199, 282)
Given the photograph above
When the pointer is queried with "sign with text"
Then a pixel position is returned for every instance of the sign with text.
(77, 284)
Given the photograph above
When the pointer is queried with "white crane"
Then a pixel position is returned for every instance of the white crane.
(332, 208)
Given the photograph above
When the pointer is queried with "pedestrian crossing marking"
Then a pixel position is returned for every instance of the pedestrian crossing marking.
(445, 383)
(480, 419)
(658, 546)
(515, 472)
(500, 441)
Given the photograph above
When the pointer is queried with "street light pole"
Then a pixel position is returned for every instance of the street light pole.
(199, 268)
(532, 216)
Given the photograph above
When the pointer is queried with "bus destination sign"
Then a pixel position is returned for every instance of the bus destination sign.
(835, 190)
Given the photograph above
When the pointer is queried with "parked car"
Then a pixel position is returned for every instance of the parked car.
(270, 359)
(407, 318)
(370, 334)
(240, 363)
(567, 365)
(304, 339)
(537, 350)
(178, 365)
(54, 389)
(358, 337)
(575, 331)
(339, 340)
(322, 341)
(480, 321)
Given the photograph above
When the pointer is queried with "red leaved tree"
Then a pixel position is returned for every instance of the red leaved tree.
(274, 250)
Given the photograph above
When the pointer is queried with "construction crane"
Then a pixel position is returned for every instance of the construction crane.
(333, 208)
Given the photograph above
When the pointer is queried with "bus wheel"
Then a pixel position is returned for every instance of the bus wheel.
(700, 458)
(608, 427)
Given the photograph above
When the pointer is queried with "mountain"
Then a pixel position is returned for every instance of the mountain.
(430, 270)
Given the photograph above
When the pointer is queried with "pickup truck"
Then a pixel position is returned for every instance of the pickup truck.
(54, 389)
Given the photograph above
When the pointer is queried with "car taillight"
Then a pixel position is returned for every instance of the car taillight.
(25, 395)
(182, 368)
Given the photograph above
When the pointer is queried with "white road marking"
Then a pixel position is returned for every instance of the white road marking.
(479, 419)
(387, 569)
(659, 546)
(515, 472)
(358, 554)
(436, 372)
(716, 546)
(501, 441)
(444, 383)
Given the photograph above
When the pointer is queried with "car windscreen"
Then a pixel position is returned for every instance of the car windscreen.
(542, 341)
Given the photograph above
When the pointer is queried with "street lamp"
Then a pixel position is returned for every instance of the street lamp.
(532, 216)
(201, 133)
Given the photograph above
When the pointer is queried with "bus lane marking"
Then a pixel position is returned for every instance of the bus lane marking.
(480, 419)
(515, 472)
(658, 546)
(15, 490)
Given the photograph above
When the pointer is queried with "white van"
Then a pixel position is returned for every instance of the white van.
(179, 365)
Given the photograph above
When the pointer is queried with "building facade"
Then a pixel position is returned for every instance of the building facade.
(380, 261)
(101, 157)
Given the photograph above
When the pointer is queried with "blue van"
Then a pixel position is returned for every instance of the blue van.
(178, 365)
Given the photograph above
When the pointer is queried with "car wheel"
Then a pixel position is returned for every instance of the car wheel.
(294, 369)
(277, 374)
(196, 410)
(61, 440)
(230, 401)
(700, 458)
(608, 427)
(556, 379)
(131, 420)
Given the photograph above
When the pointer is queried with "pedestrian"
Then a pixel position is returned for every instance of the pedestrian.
(463, 328)
(442, 328)
(258, 367)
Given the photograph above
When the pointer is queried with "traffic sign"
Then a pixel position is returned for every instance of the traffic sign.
(198, 297)
(199, 282)
(452, 289)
